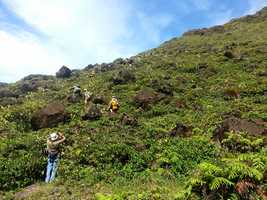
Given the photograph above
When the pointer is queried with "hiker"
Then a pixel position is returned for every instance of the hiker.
(113, 105)
(87, 96)
(92, 74)
(53, 143)
(76, 91)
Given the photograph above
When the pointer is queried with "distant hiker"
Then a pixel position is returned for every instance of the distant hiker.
(87, 96)
(53, 143)
(92, 74)
(113, 105)
(76, 89)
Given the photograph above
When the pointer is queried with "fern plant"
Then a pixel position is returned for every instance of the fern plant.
(238, 177)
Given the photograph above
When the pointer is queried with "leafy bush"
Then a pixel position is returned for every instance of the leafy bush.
(21, 163)
(239, 177)
(242, 142)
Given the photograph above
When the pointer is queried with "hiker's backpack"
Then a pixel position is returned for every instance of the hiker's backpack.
(114, 104)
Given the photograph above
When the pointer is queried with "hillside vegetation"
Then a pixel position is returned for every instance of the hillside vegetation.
(192, 123)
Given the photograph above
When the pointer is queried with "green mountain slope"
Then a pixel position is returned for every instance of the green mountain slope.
(192, 123)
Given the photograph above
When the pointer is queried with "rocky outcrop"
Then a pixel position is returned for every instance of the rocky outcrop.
(8, 93)
(238, 125)
(146, 97)
(64, 72)
(37, 77)
(206, 31)
(121, 61)
(49, 116)
(89, 67)
(29, 87)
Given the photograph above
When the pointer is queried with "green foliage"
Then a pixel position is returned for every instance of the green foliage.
(117, 161)
(227, 178)
(182, 155)
(21, 162)
(242, 142)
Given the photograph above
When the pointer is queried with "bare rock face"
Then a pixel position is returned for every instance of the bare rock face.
(146, 97)
(49, 116)
(238, 125)
(64, 72)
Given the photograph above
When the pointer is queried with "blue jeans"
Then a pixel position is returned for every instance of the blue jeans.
(51, 167)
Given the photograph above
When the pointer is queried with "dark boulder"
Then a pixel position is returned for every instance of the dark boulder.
(121, 61)
(37, 77)
(92, 113)
(128, 120)
(49, 116)
(180, 130)
(229, 54)
(124, 76)
(64, 72)
(89, 67)
(31, 86)
(146, 97)
(8, 93)
(238, 125)
(118, 61)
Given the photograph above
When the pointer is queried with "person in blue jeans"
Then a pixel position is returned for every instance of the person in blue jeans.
(53, 143)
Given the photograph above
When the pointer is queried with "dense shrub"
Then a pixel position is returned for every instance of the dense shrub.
(21, 163)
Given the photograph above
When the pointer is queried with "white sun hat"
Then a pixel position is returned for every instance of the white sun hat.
(53, 136)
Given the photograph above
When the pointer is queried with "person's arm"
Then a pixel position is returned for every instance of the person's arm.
(62, 139)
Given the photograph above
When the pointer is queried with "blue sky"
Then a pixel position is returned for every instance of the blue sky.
(38, 36)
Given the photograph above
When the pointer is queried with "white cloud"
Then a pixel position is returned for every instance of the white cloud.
(22, 54)
(255, 5)
(77, 33)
